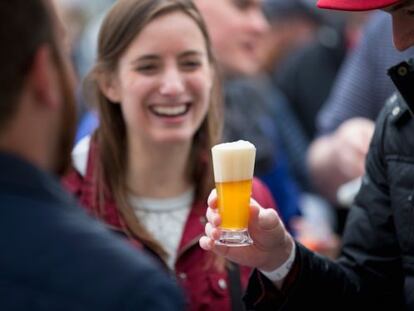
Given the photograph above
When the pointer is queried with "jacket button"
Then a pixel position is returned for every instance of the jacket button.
(402, 71)
(203, 220)
(222, 284)
(182, 276)
(396, 111)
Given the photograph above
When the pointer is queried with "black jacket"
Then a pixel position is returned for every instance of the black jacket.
(55, 257)
(376, 267)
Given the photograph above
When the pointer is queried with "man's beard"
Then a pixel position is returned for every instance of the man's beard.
(68, 119)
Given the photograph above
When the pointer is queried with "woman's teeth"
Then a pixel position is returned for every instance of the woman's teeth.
(169, 111)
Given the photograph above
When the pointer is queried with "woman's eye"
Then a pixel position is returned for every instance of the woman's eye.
(242, 4)
(147, 68)
(190, 65)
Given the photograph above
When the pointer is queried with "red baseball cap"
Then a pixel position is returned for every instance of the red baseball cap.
(355, 5)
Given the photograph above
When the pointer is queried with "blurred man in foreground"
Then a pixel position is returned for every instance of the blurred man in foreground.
(54, 256)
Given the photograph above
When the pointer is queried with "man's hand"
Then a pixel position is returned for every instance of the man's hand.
(352, 142)
(272, 244)
(337, 158)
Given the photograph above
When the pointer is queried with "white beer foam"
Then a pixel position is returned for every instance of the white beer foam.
(233, 161)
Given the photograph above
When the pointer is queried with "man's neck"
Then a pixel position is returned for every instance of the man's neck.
(26, 139)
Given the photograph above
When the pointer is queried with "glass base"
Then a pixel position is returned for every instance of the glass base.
(235, 238)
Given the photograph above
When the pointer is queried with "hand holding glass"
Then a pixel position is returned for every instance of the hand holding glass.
(233, 165)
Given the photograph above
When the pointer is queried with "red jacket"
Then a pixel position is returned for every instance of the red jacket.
(205, 286)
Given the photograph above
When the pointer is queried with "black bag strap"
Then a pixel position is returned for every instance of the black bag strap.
(236, 293)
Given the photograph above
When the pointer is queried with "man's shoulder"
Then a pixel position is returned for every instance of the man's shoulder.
(60, 249)
(395, 113)
(61, 227)
(394, 129)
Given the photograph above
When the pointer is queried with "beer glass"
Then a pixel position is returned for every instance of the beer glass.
(233, 165)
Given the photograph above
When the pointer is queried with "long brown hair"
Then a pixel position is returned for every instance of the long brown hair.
(125, 20)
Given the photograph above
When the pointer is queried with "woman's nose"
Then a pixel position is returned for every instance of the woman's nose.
(172, 83)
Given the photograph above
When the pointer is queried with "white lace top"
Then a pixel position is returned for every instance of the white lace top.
(165, 219)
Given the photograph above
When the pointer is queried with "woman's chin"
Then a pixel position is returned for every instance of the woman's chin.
(173, 139)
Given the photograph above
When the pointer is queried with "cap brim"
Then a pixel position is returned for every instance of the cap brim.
(355, 5)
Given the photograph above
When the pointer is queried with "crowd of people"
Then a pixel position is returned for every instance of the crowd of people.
(107, 121)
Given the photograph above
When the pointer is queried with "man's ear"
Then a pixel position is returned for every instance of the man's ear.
(109, 87)
(43, 80)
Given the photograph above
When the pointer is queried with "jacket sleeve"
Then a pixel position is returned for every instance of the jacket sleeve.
(368, 272)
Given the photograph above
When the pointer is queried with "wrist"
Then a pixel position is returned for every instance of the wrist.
(279, 274)
(280, 255)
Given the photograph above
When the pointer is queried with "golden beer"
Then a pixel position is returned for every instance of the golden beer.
(233, 165)
(233, 202)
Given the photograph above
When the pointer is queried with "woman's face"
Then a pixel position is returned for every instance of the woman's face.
(164, 80)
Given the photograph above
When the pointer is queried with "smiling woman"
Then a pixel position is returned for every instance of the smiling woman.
(163, 83)
(146, 171)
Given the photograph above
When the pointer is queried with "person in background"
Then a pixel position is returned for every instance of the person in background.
(375, 269)
(293, 25)
(321, 58)
(237, 29)
(346, 122)
(147, 171)
(257, 112)
(55, 257)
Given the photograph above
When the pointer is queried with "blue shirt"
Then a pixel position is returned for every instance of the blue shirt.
(362, 85)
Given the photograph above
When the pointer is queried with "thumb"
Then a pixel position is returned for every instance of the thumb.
(265, 228)
(268, 219)
(263, 218)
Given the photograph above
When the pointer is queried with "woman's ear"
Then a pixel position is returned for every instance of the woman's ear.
(109, 86)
